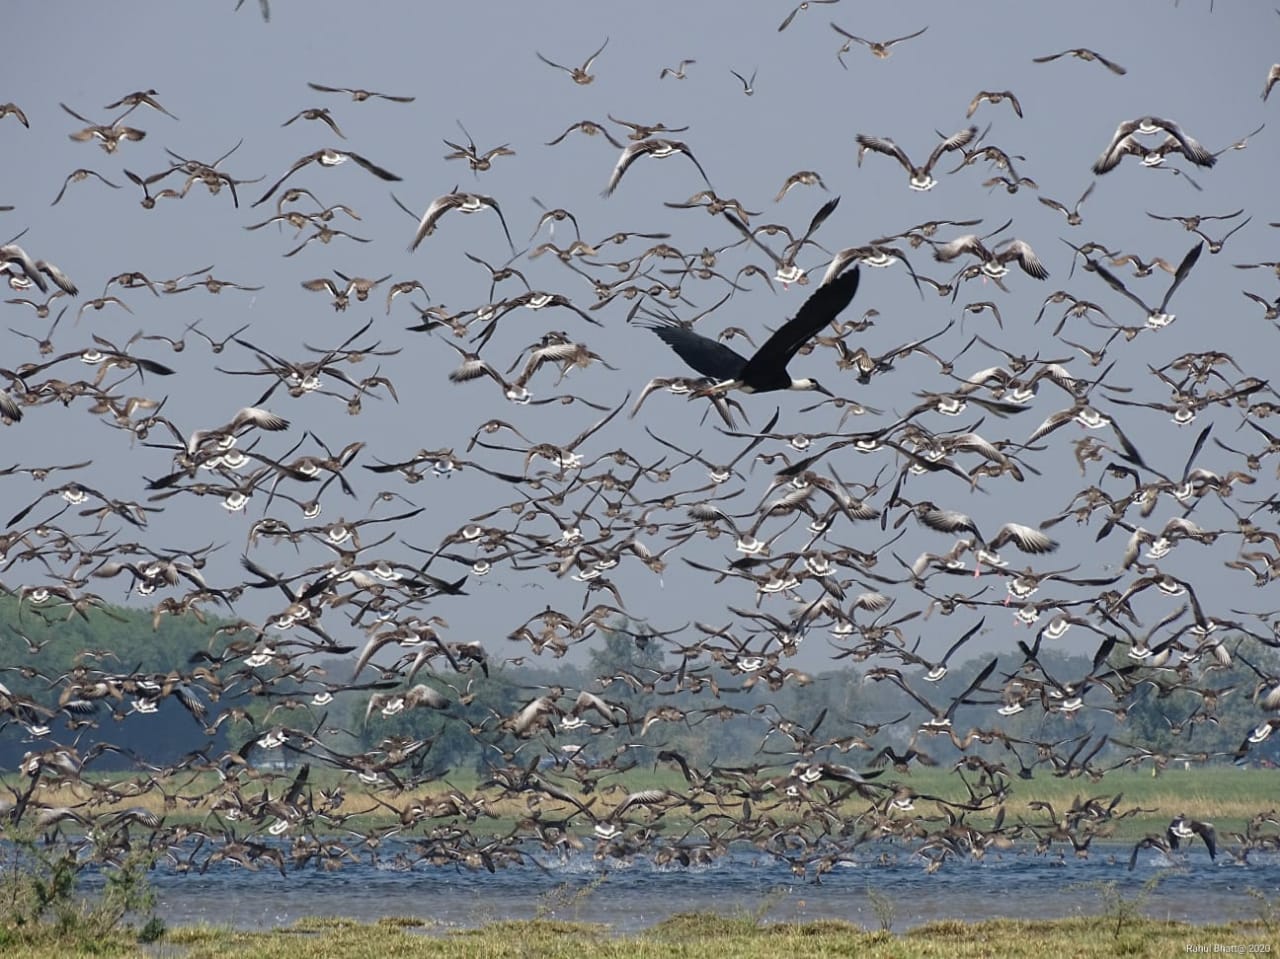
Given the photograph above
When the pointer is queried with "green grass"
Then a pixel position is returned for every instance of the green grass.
(684, 936)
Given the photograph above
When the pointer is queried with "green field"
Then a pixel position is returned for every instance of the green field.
(689, 936)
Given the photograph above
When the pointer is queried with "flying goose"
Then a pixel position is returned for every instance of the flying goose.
(880, 49)
(799, 178)
(655, 147)
(1123, 142)
(478, 161)
(453, 200)
(678, 72)
(581, 75)
(139, 98)
(1179, 830)
(316, 113)
(76, 176)
(358, 285)
(1081, 53)
(994, 97)
(327, 158)
(590, 128)
(994, 262)
(359, 96)
(920, 178)
(1073, 215)
(1157, 317)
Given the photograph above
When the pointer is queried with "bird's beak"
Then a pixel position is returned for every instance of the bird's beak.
(823, 390)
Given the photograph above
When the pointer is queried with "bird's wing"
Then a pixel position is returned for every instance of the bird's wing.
(1120, 144)
(689, 153)
(1184, 268)
(1191, 148)
(297, 165)
(592, 59)
(956, 141)
(550, 64)
(1110, 64)
(909, 36)
(885, 146)
(1119, 287)
(372, 167)
(1206, 832)
(501, 219)
(703, 354)
(629, 154)
(823, 306)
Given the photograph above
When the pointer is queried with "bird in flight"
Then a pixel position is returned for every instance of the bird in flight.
(880, 49)
(327, 158)
(359, 96)
(581, 75)
(921, 176)
(1125, 141)
(766, 370)
(1081, 53)
(654, 147)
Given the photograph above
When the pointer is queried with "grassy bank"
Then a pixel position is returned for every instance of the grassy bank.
(690, 935)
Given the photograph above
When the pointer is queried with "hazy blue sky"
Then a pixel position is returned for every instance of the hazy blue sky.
(230, 77)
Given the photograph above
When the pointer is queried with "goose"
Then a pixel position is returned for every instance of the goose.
(1157, 317)
(994, 97)
(1180, 829)
(139, 98)
(994, 263)
(108, 137)
(920, 178)
(677, 72)
(589, 127)
(880, 49)
(1083, 53)
(327, 158)
(317, 113)
(1072, 215)
(359, 96)
(1123, 141)
(800, 178)
(76, 176)
(654, 147)
(580, 75)
(453, 200)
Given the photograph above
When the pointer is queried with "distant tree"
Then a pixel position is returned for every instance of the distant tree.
(48, 648)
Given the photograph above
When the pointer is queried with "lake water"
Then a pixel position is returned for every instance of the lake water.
(635, 895)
